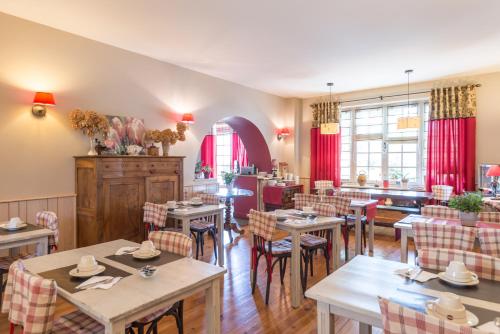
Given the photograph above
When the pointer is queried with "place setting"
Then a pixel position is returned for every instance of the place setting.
(15, 224)
(144, 255)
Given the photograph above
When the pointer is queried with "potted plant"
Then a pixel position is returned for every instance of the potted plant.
(197, 169)
(469, 205)
(396, 175)
(91, 124)
(228, 178)
(206, 170)
(404, 181)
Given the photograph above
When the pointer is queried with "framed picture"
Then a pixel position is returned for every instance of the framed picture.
(125, 131)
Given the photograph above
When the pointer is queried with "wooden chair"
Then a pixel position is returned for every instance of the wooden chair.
(322, 187)
(199, 227)
(443, 236)
(489, 240)
(441, 194)
(485, 266)
(342, 209)
(397, 319)
(177, 243)
(358, 195)
(301, 200)
(30, 302)
(155, 217)
(262, 225)
(439, 211)
(490, 217)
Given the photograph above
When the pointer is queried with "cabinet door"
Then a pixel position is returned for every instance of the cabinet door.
(123, 202)
(160, 189)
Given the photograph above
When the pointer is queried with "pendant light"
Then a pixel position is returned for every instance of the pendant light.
(408, 122)
(330, 128)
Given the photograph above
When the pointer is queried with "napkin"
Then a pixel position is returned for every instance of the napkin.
(126, 250)
(416, 274)
(99, 282)
(489, 327)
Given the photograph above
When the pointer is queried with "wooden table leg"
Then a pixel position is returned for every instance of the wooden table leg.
(42, 246)
(230, 225)
(404, 245)
(213, 309)
(336, 246)
(295, 282)
(220, 238)
(252, 269)
(364, 328)
(326, 320)
(186, 226)
(115, 327)
(357, 229)
(371, 236)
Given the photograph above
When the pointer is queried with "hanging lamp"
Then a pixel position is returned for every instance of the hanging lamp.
(330, 128)
(408, 122)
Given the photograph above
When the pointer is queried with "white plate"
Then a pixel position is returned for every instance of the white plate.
(8, 228)
(196, 203)
(442, 276)
(139, 255)
(75, 273)
(471, 319)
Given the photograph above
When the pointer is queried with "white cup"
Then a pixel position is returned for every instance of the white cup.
(87, 263)
(147, 247)
(15, 221)
(171, 204)
(457, 271)
(271, 183)
(307, 209)
(448, 305)
(196, 200)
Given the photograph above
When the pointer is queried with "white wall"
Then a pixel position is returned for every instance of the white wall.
(36, 154)
(488, 114)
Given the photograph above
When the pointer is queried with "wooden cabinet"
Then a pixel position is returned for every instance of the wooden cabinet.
(111, 192)
(275, 197)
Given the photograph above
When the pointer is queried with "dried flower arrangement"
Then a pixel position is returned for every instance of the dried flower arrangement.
(168, 136)
(91, 124)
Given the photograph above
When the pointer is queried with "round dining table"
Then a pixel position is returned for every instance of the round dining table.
(230, 223)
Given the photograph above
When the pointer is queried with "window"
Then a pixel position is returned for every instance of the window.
(223, 134)
(372, 143)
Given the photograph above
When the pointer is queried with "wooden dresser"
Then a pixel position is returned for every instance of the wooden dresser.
(111, 191)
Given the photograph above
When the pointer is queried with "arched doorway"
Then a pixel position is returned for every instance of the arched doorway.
(246, 144)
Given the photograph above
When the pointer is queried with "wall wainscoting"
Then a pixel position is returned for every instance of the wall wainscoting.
(63, 205)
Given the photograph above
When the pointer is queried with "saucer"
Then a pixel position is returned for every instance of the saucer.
(470, 318)
(82, 274)
(442, 276)
(196, 203)
(142, 256)
(13, 228)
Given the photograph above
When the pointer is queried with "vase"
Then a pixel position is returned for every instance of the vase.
(468, 218)
(206, 175)
(362, 179)
(165, 148)
(92, 150)
(404, 184)
(230, 187)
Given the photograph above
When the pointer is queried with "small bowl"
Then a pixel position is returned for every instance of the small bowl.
(148, 271)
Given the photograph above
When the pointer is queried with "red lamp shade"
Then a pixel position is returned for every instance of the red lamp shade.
(285, 132)
(188, 118)
(44, 98)
(493, 171)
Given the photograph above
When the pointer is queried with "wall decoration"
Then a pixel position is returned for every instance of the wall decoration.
(125, 131)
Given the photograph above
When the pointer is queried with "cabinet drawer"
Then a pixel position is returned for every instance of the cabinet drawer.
(164, 167)
(124, 166)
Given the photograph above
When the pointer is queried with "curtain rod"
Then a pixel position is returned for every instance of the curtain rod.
(382, 97)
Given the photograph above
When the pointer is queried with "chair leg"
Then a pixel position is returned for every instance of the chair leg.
(311, 258)
(306, 271)
(197, 239)
(254, 281)
(345, 232)
(268, 285)
(202, 240)
(282, 274)
(214, 237)
(327, 259)
(179, 319)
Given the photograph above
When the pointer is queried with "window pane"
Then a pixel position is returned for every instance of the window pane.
(394, 159)
(393, 114)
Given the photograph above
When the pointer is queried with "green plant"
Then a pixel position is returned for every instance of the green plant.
(197, 167)
(206, 168)
(228, 177)
(469, 202)
(405, 178)
(396, 174)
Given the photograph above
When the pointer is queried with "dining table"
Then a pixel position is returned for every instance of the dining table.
(133, 297)
(405, 226)
(230, 224)
(29, 235)
(188, 213)
(352, 292)
(296, 226)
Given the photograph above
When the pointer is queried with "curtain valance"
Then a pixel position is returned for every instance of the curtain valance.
(453, 102)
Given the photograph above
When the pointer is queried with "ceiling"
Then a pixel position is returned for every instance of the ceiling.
(290, 47)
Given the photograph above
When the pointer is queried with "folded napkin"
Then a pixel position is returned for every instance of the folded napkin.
(126, 250)
(489, 327)
(416, 274)
(99, 282)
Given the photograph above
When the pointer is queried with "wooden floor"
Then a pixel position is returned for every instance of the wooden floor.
(243, 312)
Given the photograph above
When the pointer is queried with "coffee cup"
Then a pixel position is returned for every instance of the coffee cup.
(87, 263)
(15, 221)
(307, 209)
(457, 271)
(449, 306)
(171, 204)
(147, 247)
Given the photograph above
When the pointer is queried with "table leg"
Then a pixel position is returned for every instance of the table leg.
(212, 310)
(336, 246)
(220, 238)
(252, 269)
(404, 245)
(326, 320)
(117, 327)
(357, 229)
(371, 237)
(42, 246)
(186, 223)
(364, 328)
(295, 283)
(228, 219)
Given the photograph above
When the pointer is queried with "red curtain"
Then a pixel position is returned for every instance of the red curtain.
(451, 153)
(208, 153)
(325, 157)
(239, 151)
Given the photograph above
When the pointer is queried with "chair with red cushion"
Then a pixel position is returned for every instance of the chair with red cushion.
(342, 209)
(426, 235)
(208, 224)
(439, 211)
(301, 200)
(262, 225)
(351, 218)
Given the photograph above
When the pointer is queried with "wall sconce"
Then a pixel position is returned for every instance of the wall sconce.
(283, 133)
(40, 103)
(187, 119)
